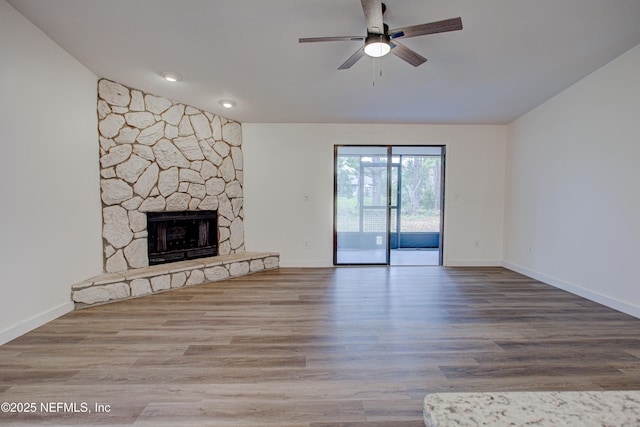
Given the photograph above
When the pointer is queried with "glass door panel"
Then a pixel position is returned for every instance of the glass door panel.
(361, 205)
(417, 236)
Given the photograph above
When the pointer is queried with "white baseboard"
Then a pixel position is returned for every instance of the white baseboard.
(34, 322)
(605, 300)
(305, 264)
(472, 263)
(448, 263)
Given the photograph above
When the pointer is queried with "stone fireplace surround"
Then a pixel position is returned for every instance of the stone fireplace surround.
(157, 155)
(160, 156)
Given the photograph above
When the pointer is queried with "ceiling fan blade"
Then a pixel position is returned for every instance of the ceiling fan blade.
(403, 52)
(352, 59)
(329, 39)
(453, 24)
(373, 15)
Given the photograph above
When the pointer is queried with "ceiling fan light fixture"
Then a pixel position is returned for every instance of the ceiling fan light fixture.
(377, 45)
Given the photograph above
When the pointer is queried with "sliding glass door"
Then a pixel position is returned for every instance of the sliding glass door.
(388, 205)
(416, 209)
(361, 215)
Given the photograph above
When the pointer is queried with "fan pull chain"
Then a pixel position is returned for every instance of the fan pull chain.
(373, 72)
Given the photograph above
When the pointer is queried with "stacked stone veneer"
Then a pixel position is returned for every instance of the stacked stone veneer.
(156, 156)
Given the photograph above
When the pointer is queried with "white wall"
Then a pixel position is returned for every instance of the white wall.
(283, 162)
(49, 181)
(573, 188)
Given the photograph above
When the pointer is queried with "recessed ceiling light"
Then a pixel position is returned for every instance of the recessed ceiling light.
(227, 104)
(170, 76)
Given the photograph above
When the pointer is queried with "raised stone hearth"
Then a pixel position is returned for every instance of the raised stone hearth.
(134, 283)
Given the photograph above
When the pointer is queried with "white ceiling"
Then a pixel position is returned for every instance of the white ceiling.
(511, 55)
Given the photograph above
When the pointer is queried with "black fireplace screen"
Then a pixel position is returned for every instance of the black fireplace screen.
(175, 236)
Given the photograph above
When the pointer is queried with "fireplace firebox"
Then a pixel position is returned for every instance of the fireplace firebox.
(176, 236)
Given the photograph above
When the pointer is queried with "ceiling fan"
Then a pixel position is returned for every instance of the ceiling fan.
(380, 40)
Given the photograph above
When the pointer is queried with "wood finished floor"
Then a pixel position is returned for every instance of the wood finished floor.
(318, 348)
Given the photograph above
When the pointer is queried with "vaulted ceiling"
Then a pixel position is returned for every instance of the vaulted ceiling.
(511, 55)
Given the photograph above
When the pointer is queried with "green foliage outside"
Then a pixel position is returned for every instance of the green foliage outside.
(420, 190)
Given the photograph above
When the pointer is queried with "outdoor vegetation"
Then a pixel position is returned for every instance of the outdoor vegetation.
(362, 193)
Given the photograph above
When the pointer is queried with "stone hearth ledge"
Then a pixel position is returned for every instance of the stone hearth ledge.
(546, 408)
(157, 278)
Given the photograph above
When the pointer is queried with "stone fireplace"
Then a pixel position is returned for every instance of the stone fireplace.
(172, 199)
(160, 156)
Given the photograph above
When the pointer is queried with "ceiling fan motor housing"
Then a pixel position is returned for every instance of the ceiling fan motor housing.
(377, 45)
(377, 38)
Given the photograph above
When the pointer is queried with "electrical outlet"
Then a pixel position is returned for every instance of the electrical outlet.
(476, 244)
(306, 244)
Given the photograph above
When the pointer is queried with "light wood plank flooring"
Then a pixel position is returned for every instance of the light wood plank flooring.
(317, 347)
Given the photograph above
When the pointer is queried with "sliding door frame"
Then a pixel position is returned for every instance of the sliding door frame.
(389, 199)
(335, 203)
